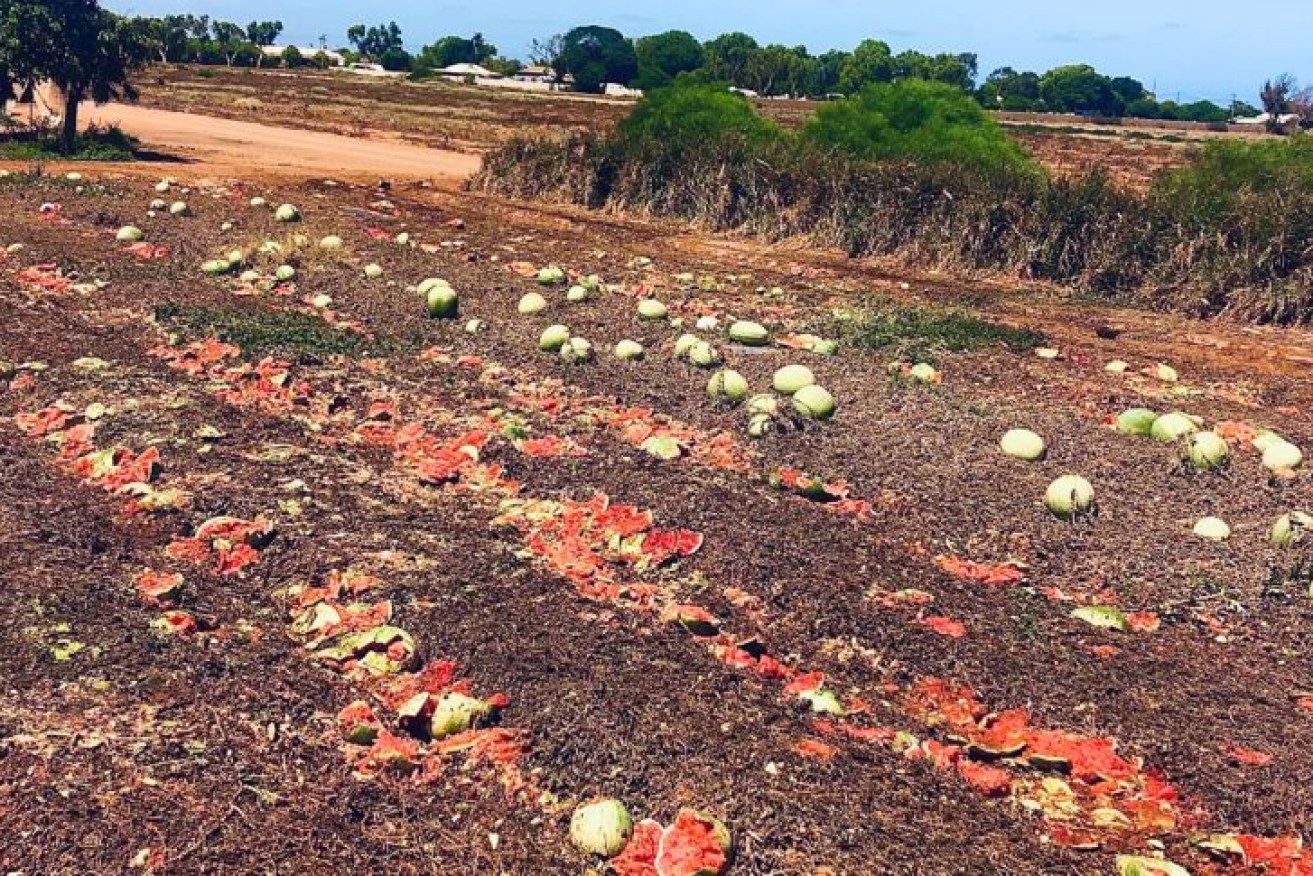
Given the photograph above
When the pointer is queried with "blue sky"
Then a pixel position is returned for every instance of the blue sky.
(1187, 48)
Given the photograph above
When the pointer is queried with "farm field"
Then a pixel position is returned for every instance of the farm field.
(467, 119)
(302, 579)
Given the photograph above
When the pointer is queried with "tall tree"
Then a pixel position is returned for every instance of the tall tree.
(596, 55)
(87, 52)
(482, 49)
(728, 56)
(1275, 98)
(825, 77)
(173, 35)
(663, 56)
(445, 52)
(869, 63)
(1079, 88)
(455, 50)
(774, 70)
(546, 52)
(229, 39)
(375, 41)
(1009, 89)
(264, 33)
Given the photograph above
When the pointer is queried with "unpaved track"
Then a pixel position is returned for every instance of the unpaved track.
(223, 147)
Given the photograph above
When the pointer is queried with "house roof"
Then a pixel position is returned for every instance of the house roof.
(467, 70)
(307, 51)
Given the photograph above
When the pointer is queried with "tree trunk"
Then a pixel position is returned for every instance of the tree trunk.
(68, 139)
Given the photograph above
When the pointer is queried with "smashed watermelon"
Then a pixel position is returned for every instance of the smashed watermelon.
(639, 855)
(695, 845)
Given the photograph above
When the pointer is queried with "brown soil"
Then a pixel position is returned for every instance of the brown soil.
(217, 751)
(226, 148)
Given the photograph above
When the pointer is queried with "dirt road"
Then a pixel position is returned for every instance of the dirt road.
(223, 147)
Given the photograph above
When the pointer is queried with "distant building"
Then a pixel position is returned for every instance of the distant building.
(335, 59)
(365, 68)
(463, 71)
(611, 89)
(536, 73)
(1264, 118)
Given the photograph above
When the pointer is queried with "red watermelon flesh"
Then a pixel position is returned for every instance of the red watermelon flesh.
(639, 855)
(693, 846)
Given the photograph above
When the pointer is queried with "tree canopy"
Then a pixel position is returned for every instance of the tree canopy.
(375, 41)
(596, 55)
(663, 56)
(918, 121)
(87, 52)
(454, 50)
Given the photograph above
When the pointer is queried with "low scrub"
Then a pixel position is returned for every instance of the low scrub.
(94, 144)
(263, 332)
(1231, 233)
(691, 115)
(921, 334)
(924, 122)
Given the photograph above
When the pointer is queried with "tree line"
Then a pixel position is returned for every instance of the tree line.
(593, 56)
(89, 53)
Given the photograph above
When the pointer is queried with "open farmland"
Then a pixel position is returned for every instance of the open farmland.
(266, 534)
(438, 114)
(468, 119)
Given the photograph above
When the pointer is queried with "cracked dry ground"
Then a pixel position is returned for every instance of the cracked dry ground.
(256, 542)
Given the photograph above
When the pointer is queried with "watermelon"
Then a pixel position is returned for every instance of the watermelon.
(639, 855)
(760, 425)
(629, 350)
(748, 333)
(531, 303)
(792, 378)
(601, 828)
(442, 302)
(684, 343)
(650, 308)
(694, 845)
(553, 338)
(814, 402)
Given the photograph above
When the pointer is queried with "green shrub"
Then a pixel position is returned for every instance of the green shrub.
(917, 121)
(920, 334)
(94, 144)
(1225, 173)
(692, 114)
(260, 332)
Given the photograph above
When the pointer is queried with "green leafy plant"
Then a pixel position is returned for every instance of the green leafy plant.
(920, 122)
(690, 114)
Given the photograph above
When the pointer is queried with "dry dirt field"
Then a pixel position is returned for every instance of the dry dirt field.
(301, 580)
(437, 114)
(467, 119)
(260, 531)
